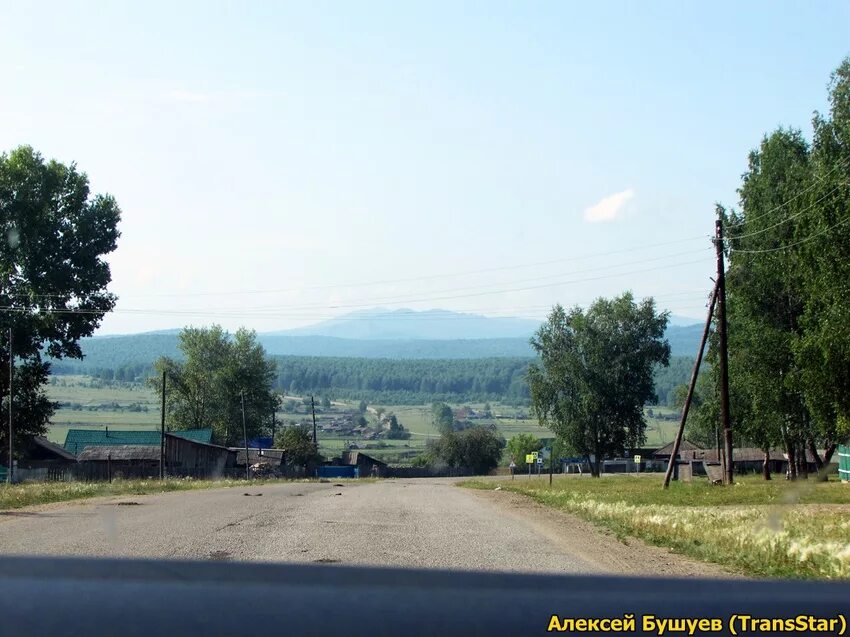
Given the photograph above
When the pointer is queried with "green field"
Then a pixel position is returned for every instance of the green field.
(770, 529)
(89, 391)
(95, 402)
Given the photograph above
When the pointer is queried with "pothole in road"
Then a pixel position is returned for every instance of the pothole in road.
(220, 555)
(127, 504)
(326, 560)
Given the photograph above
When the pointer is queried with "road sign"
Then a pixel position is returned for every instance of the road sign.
(534, 454)
(512, 465)
(540, 461)
(529, 458)
(637, 458)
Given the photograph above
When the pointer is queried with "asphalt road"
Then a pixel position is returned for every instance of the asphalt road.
(418, 523)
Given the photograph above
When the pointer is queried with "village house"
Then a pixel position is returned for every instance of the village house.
(40, 459)
(105, 454)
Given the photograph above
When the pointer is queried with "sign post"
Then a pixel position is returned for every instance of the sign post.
(529, 460)
(637, 463)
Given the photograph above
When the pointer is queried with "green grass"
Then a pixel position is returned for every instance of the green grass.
(30, 493)
(77, 389)
(660, 432)
(773, 529)
(33, 493)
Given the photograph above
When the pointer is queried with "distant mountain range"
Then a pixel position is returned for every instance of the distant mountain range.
(443, 325)
(396, 334)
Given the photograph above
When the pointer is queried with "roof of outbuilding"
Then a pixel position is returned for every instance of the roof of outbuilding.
(754, 454)
(667, 449)
(356, 457)
(53, 448)
(120, 452)
(76, 440)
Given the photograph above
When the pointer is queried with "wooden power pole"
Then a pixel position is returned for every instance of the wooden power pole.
(162, 432)
(313, 409)
(728, 477)
(687, 406)
(11, 395)
(245, 438)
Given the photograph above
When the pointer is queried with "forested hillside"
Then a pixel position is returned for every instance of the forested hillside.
(135, 350)
(408, 381)
(391, 371)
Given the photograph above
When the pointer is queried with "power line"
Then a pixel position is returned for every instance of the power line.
(793, 245)
(840, 164)
(786, 220)
(408, 279)
(254, 314)
(404, 298)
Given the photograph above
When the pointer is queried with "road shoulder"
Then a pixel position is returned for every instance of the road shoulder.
(595, 544)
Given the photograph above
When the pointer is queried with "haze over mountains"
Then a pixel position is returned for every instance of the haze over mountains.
(382, 324)
(375, 333)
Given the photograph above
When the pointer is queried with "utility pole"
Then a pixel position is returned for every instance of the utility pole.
(687, 406)
(551, 462)
(245, 437)
(313, 409)
(728, 476)
(11, 394)
(162, 432)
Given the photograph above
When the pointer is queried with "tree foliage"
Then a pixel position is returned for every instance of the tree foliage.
(54, 235)
(476, 448)
(521, 445)
(206, 388)
(391, 382)
(595, 373)
(297, 441)
(788, 288)
(443, 418)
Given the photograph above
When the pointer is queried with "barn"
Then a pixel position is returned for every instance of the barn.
(136, 454)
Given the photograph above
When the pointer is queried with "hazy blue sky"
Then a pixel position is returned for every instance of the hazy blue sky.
(298, 151)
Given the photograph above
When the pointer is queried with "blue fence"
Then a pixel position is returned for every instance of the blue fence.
(329, 471)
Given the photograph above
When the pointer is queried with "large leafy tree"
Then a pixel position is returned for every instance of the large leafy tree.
(297, 441)
(442, 418)
(595, 374)
(54, 235)
(788, 288)
(476, 448)
(521, 445)
(766, 296)
(824, 350)
(206, 388)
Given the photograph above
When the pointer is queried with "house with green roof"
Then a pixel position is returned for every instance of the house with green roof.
(76, 440)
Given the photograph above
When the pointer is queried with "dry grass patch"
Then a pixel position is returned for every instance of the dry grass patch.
(772, 530)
